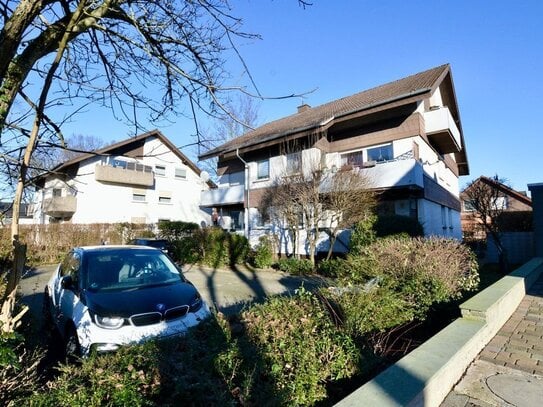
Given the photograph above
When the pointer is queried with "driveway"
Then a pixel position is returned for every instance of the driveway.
(226, 290)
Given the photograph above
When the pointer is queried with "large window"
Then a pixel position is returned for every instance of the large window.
(380, 153)
(294, 163)
(263, 169)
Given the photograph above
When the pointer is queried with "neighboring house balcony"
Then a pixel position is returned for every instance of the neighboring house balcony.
(442, 130)
(130, 174)
(223, 196)
(60, 206)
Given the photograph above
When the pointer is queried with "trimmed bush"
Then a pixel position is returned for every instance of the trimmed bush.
(263, 255)
(185, 251)
(217, 248)
(238, 248)
(176, 230)
(294, 266)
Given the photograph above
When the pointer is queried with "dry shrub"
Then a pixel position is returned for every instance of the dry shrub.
(47, 243)
(447, 264)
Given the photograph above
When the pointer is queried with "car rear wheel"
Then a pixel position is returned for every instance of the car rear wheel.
(72, 347)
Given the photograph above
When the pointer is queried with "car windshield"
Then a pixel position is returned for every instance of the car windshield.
(128, 269)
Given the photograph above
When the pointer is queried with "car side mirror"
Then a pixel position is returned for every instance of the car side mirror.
(67, 283)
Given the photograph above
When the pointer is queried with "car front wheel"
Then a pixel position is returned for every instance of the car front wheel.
(72, 347)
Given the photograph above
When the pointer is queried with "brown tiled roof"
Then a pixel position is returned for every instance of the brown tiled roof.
(107, 149)
(503, 188)
(418, 84)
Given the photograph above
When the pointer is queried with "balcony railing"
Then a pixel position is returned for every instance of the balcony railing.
(135, 174)
(60, 206)
(442, 130)
(223, 196)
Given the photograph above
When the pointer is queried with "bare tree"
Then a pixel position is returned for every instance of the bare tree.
(349, 199)
(319, 197)
(487, 202)
(284, 208)
(242, 117)
(147, 58)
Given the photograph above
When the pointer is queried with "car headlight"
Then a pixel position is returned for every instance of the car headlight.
(196, 303)
(109, 322)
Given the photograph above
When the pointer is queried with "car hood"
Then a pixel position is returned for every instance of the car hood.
(138, 301)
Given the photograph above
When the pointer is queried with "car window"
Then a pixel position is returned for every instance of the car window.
(128, 269)
(71, 267)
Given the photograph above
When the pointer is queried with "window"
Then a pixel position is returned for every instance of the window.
(294, 163)
(263, 169)
(500, 203)
(180, 173)
(355, 159)
(118, 163)
(165, 197)
(160, 170)
(57, 192)
(381, 153)
(444, 217)
(138, 195)
(469, 206)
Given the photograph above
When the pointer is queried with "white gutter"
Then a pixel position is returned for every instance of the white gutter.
(246, 200)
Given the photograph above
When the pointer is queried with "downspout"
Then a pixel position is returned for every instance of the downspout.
(246, 200)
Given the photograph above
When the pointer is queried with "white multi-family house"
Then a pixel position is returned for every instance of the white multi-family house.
(143, 179)
(406, 136)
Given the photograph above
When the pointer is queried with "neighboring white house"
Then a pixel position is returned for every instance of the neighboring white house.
(405, 135)
(140, 180)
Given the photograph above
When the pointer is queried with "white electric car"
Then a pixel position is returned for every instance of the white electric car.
(103, 297)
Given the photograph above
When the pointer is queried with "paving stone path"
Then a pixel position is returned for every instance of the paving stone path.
(509, 370)
(519, 343)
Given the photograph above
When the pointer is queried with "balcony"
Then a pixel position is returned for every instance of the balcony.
(223, 196)
(398, 173)
(136, 174)
(442, 131)
(60, 206)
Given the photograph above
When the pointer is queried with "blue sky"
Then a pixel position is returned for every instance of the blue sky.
(495, 49)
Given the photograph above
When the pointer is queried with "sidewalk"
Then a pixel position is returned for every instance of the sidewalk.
(509, 370)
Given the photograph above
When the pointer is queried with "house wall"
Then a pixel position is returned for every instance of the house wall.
(101, 202)
(439, 220)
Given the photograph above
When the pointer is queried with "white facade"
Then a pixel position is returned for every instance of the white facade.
(157, 185)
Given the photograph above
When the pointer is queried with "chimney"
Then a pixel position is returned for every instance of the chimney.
(303, 107)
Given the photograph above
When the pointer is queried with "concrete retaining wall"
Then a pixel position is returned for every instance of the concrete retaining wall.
(425, 376)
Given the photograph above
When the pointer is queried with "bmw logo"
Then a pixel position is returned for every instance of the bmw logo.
(161, 307)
